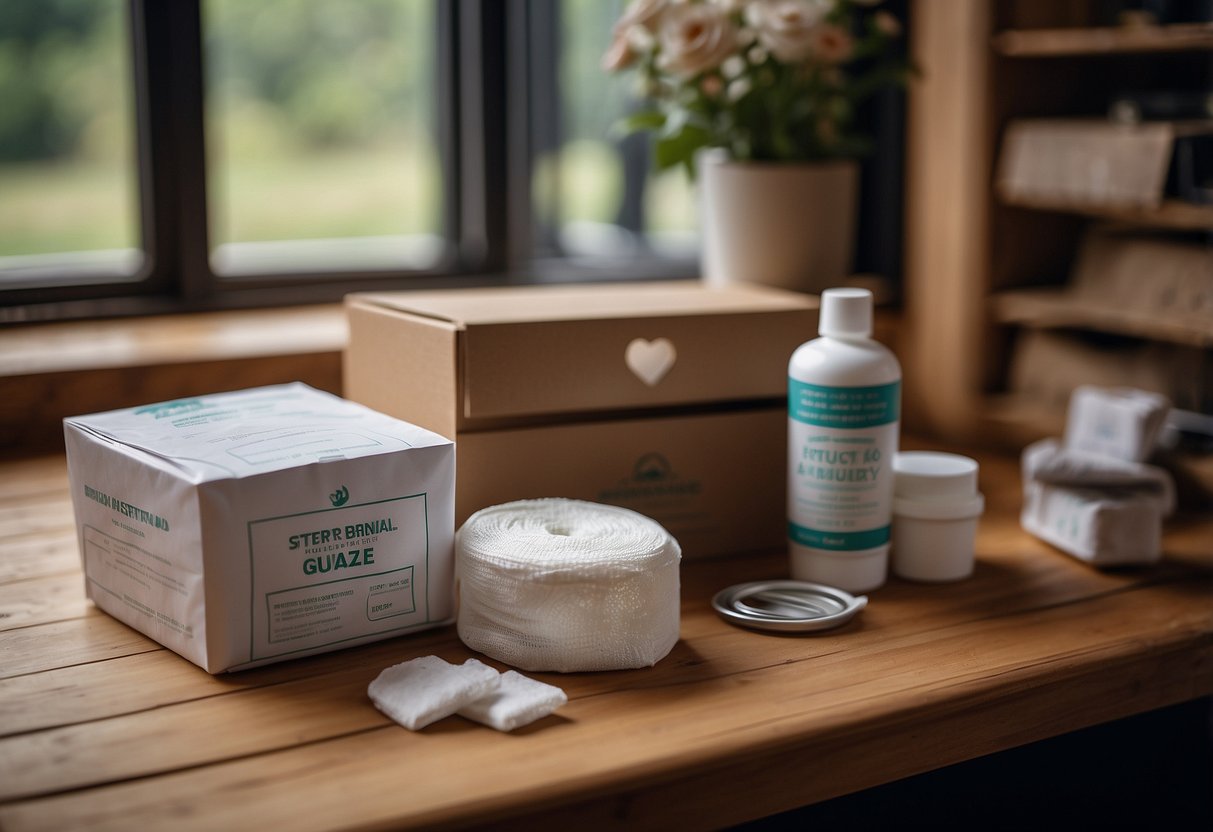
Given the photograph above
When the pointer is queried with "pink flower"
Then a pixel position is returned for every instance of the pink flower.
(831, 44)
(886, 24)
(694, 39)
(619, 55)
(785, 27)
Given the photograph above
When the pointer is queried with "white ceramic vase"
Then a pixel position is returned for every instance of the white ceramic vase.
(789, 225)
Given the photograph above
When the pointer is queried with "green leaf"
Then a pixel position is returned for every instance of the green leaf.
(679, 148)
(637, 122)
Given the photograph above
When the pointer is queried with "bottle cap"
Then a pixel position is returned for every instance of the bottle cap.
(845, 313)
(935, 486)
(787, 606)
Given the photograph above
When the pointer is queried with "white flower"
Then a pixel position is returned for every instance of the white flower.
(695, 39)
(646, 13)
(886, 24)
(739, 88)
(831, 44)
(732, 66)
(785, 27)
(729, 5)
(757, 55)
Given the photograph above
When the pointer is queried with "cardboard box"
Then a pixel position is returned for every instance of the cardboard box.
(251, 527)
(666, 398)
(1089, 161)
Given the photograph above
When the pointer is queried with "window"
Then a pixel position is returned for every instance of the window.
(68, 182)
(595, 198)
(321, 135)
(215, 153)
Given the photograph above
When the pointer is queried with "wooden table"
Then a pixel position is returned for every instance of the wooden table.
(102, 728)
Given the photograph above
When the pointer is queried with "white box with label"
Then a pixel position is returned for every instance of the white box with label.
(246, 528)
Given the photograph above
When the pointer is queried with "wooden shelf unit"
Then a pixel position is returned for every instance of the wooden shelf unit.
(1104, 40)
(1171, 214)
(981, 269)
(1057, 308)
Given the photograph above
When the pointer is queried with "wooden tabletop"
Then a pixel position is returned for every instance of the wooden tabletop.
(102, 728)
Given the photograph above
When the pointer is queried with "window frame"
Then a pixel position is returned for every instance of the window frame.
(166, 42)
(485, 100)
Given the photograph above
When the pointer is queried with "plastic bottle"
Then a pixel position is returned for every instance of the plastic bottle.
(844, 403)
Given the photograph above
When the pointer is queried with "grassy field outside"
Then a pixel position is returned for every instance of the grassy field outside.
(81, 206)
(54, 207)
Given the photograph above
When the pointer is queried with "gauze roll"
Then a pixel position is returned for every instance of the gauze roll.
(567, 585)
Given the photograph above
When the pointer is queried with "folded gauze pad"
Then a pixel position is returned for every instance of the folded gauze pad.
(517, 701)
(567, 585)
(420, 691)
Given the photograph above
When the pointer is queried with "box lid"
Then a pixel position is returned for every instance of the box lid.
(231, 435)
(552, 349)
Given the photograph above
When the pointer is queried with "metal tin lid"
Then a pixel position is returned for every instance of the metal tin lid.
(787, 606)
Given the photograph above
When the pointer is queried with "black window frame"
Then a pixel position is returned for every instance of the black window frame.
(496, 61)
(166, 40)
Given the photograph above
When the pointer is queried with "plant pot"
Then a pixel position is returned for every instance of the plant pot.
(790, 225)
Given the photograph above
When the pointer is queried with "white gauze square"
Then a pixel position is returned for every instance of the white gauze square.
(517, 701)
(420, 691)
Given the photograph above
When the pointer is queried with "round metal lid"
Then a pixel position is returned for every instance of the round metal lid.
(787, 606)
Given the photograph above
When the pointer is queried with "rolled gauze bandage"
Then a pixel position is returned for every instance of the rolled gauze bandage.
(567, 585)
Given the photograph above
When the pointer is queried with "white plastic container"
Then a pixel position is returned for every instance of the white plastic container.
(935, 509)
(844, 400)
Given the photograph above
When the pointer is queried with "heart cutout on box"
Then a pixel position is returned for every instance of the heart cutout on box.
(650, 360)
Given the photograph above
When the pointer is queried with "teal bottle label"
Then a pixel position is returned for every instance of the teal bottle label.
(841, 442)
(843, 407)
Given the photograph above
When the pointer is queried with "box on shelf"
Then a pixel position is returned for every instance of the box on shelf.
(1089, 161)
(666, 398)
(246, 528)
(1169, 277)
(1047, 366)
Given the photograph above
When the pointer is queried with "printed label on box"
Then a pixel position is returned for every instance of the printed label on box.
(146, 583)
(333, 575)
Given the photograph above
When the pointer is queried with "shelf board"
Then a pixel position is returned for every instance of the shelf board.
(1169, 214)
(1047, 43)
(1057, 308)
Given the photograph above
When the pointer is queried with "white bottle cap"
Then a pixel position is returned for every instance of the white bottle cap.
(936, 484)
(845, 313)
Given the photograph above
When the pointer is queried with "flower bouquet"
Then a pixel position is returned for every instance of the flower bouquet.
(765, 80)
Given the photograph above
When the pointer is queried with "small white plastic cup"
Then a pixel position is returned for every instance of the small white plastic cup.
(936, 505)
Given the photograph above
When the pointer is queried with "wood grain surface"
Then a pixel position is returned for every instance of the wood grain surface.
(101, 728)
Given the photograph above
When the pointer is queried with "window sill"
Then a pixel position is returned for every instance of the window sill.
(51, 371)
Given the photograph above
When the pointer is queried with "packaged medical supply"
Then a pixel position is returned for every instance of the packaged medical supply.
(844, 394)
(1048, 461)
(649, 396)
(567, 585)
(1122, 423)
(936, 506)
(1108, 527)
(245, 528)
